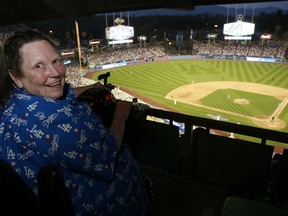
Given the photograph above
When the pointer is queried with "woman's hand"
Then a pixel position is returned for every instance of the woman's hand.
(122, 110)
(121, 114)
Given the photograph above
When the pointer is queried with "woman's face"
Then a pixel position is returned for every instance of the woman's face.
(43, 70)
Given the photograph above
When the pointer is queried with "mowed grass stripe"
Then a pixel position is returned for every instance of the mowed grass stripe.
(141, 86)
(262, 103)
(149, 73)
(239, 73)
(219, 100)
(246, 72)
(266, 70)
(169, 73)
(270, 76)
(272, 73)
(224, 67)
(253, 69)
(231, 69)
(280, 78)
(257, 69)
(143, 78)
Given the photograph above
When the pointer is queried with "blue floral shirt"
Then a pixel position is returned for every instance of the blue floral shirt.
(35, 131)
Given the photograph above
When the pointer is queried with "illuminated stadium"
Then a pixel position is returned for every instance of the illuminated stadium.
(235, 80)
(209, 91)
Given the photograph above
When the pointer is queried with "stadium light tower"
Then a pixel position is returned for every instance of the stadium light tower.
(142, 38)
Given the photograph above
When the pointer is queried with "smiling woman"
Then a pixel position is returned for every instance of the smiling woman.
(48, 125)
(102, 175)
(41, 74)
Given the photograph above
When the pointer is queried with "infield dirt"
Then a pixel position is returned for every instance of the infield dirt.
(193, 93)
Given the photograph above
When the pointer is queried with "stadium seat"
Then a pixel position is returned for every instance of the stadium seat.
(51, 187)
(157, 145)
(18, 199)
(232, 162)
(236, 206)
(281, 179)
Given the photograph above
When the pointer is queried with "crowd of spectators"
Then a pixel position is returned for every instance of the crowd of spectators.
(127, 53)
(237, 49)
(136, 53)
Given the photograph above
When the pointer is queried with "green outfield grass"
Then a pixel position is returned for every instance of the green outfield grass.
(155, 80)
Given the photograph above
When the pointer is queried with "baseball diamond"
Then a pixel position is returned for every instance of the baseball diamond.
(250, 93)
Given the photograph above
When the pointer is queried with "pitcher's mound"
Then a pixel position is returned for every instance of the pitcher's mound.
(243, 101)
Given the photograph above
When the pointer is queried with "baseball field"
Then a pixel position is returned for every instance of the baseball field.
(249, 93)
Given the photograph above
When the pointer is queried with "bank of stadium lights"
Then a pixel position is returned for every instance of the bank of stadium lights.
(212, 36)
(94, 43)
(119, 21)
(142, 39)
(168, 42)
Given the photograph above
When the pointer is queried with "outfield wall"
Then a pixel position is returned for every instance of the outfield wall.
(229, 57)
(151, 59)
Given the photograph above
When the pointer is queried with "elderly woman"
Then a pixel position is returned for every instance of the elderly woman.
(43, 123)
